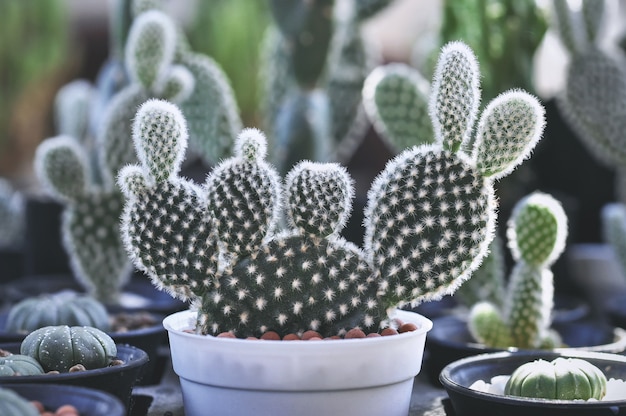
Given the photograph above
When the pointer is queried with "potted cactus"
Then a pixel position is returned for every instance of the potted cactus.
(523, 319)
(256, 257)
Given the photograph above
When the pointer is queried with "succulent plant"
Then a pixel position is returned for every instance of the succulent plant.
(12, 221)
(60, 347)
(430, 217)
(593, 101)
(62, 308)
(613, 218)
(315, 61)
(536, 231)
(12, 404)
(19, 365)
(559, 379)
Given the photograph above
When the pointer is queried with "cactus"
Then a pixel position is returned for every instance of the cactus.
(593, 102)
(430, 217)
(559, 379)
(59, 348)
(395, 99)
(19, 365)
(12, 221)
(12, 404)
(314, 62)
(613, 219)
(536, 231)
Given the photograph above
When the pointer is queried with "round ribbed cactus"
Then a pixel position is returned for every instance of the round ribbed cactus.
(559, 379)
(12, 404)
(429, 220)
(58, 348)
(19, 365)
(537, 231)
(62, 308)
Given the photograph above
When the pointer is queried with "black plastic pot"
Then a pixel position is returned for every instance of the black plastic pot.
(116, 380)
(88, 402)
(459, 375)
(450, 340)
(147, 339)
(11, 264)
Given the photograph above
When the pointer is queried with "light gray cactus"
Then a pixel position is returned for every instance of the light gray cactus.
(314, 63)
(613, 219)
(430, 217)
(12, 220)
(536, 231)
(593, 102)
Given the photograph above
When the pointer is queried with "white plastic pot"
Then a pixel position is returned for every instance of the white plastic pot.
(223, 376)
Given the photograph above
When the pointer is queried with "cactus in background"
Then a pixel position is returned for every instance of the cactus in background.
(505, 35)
(593, 102)
(315, 63)
(72, 168)
(11, 216)
(395, 99)
(488, 282)
(430, 217)
(613, 216)
(536, 231)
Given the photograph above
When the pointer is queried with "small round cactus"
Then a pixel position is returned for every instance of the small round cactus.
(560, 379)
(58, 348)
(12, 404)
(19, 365)
(63, 308)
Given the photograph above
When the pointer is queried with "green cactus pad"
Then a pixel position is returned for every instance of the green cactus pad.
(63, 167)
(396, 97)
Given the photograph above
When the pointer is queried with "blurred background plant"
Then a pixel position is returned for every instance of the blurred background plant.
(33, 53)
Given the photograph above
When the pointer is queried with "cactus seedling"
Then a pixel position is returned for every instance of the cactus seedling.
(537, 232)
(11, 216)
(429, 219)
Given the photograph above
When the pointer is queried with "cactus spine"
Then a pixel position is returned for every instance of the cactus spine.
(429, 219)
(536, 231)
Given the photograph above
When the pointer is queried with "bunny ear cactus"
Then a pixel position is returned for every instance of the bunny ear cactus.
(537, 232)
(395, 98)
(90, 222)
(594, 100)
(315, 63)
(613, 217)
(430, 218)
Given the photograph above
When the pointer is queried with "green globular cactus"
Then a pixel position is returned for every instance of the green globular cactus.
(316, 57)
(253, 254)
(12, 221)
(593, 102)
(19, 365)
(536, 231)
(59, 348)
(559, 379)
(12, 404)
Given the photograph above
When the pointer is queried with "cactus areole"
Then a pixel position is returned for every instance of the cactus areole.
(429, 219)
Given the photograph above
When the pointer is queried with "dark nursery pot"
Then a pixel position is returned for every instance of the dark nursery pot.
(88, 402)
(450, 340)
(116, 380)
(148, 339)
(459, 375)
